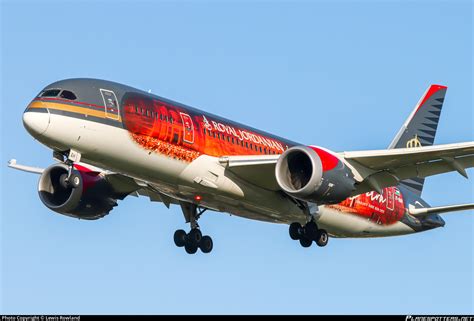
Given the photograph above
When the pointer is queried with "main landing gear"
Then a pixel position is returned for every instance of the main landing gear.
(193, 240)
(308, 233)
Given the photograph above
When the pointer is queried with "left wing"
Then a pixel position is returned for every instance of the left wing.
(377, 169)
(373, 169)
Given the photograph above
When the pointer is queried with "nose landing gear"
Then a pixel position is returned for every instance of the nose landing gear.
(193, 240)
(71, 179)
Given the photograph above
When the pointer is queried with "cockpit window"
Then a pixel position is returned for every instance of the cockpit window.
(66, 94)
(50, 93)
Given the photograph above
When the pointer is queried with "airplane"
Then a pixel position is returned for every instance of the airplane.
(110, 140)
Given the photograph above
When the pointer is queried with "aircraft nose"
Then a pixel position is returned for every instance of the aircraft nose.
(36, 123)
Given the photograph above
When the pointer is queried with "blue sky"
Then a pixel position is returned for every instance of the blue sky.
(343, 75)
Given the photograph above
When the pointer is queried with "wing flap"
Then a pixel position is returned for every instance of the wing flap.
(258, 170)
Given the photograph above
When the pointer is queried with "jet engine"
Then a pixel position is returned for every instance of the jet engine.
(85, 194)
(315, 175)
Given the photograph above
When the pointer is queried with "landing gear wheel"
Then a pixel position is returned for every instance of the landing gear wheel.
(305, 242)
(323, 238)
(193, 240)
(206, 244)
(179, 238)
(311, 231)
(190, 248)
(195, 236)
(74, 180)
(295, 231)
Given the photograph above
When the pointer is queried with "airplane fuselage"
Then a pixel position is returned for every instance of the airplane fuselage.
(178, 150)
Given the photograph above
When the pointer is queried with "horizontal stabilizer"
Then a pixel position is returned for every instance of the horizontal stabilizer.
(439, 209)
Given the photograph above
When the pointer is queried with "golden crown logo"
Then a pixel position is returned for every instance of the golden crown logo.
(414, 142)
(206, 123)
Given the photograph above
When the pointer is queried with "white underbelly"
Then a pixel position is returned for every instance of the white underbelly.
(113, 148)
(343, 224)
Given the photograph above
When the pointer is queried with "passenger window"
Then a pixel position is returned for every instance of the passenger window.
(66, 94)
(50, 93)
(175, 139)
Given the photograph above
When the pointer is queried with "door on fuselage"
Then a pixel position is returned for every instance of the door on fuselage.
(111, 104)
(188, 128)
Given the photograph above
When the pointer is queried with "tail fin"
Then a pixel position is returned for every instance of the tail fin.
(420, 129)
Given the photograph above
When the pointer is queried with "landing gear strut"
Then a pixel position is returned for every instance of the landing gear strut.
(193, 240)
(308, 233)
(69, 180)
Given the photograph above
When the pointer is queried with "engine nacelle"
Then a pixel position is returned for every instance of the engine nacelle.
(91, 198)
(315, 175)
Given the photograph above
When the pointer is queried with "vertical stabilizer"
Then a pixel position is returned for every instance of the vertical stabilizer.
(420, 129)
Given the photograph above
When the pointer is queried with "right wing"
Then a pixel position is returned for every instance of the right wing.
(35, 170)
(120, 183)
